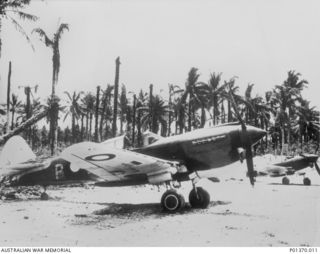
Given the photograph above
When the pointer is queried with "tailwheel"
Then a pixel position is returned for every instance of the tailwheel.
(306, 181)
(285, 180)
(172, 201)
(44, 195)
(199, 198)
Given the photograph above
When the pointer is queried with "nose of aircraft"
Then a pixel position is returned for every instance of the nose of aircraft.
(255, 133)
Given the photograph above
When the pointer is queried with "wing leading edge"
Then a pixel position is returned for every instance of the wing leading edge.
(115, 165)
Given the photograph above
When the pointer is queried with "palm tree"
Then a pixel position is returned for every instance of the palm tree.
(141, 105)
(234, 89)
(123, 107)
(74, 110)
(106, 111)
(294, 83)
(192, 95)
(54, 45)
(307, 125)
(156, 114)
(179, 109)
(15, 105)
(88, 105)
(14, 7)
(215, 94)
(97, 137)
(285, 97)
(115, 100)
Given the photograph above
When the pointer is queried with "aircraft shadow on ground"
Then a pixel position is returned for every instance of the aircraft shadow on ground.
(149, 209)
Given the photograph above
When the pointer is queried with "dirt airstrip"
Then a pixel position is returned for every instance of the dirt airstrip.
(269, 214)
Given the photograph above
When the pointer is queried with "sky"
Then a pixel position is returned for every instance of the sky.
(159, 41)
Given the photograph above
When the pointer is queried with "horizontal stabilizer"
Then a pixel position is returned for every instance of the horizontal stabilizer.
(149, 138)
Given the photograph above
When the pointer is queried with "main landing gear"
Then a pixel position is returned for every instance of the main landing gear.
(172, 201)
(306, 181)
(44, 195)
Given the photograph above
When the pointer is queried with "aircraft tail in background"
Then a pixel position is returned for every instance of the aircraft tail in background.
(16, 151)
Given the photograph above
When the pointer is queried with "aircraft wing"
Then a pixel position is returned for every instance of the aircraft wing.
(111, 164)
(276, 171)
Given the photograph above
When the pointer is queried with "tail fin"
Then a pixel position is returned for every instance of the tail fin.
(149, 137)
(117, 142)
(15, 151)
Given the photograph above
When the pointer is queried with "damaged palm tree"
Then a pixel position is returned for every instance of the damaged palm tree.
(54, 45)
(9, 10)
(24, 126)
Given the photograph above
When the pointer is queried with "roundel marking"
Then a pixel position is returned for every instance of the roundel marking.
(101, 157)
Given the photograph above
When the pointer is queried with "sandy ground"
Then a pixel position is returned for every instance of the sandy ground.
(270, 214)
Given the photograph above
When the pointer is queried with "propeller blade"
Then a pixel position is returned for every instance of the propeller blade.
(317, 167)
(246, 139)
(249, 155)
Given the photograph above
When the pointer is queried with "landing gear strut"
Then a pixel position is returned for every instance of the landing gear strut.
(199, 198)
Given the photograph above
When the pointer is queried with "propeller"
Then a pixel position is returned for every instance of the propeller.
(314, 157)
(246, 139)
(317, 167)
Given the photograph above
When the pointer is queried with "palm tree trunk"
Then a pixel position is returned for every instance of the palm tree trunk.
(151, 127)
(82, 127)
(229, 112)
(54, 120)
(8, 98)
(102, 117)
(23, 126)
(134, 118)
(115, 102)
(282, 139)
(170, 108)
(214, 111)
(73, 123)
(12, 120)
(189, 115)
(96, 131)
(139, 129)
(90, 126)
(87, 125)
(223, 115)
(203, 116)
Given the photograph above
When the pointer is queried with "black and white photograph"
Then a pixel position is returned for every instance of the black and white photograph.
(159, 123)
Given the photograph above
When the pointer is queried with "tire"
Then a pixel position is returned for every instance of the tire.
(171, 201)
(44, 196)
(285, 181)
(306, 181)
(199, 198)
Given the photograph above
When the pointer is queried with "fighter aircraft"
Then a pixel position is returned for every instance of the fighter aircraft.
(167, 161)
(290, 167)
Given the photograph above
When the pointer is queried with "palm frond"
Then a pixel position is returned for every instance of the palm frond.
(20, 29)
(43, 36)
(60, 31)
(24, 15)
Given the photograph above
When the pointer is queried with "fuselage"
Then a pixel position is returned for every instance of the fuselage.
(203, 149)
(198, 150)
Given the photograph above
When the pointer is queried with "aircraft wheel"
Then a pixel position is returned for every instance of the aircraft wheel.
(171, 201)
(199, 198)
(44, 196)
(285, 180)
(306, 181)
